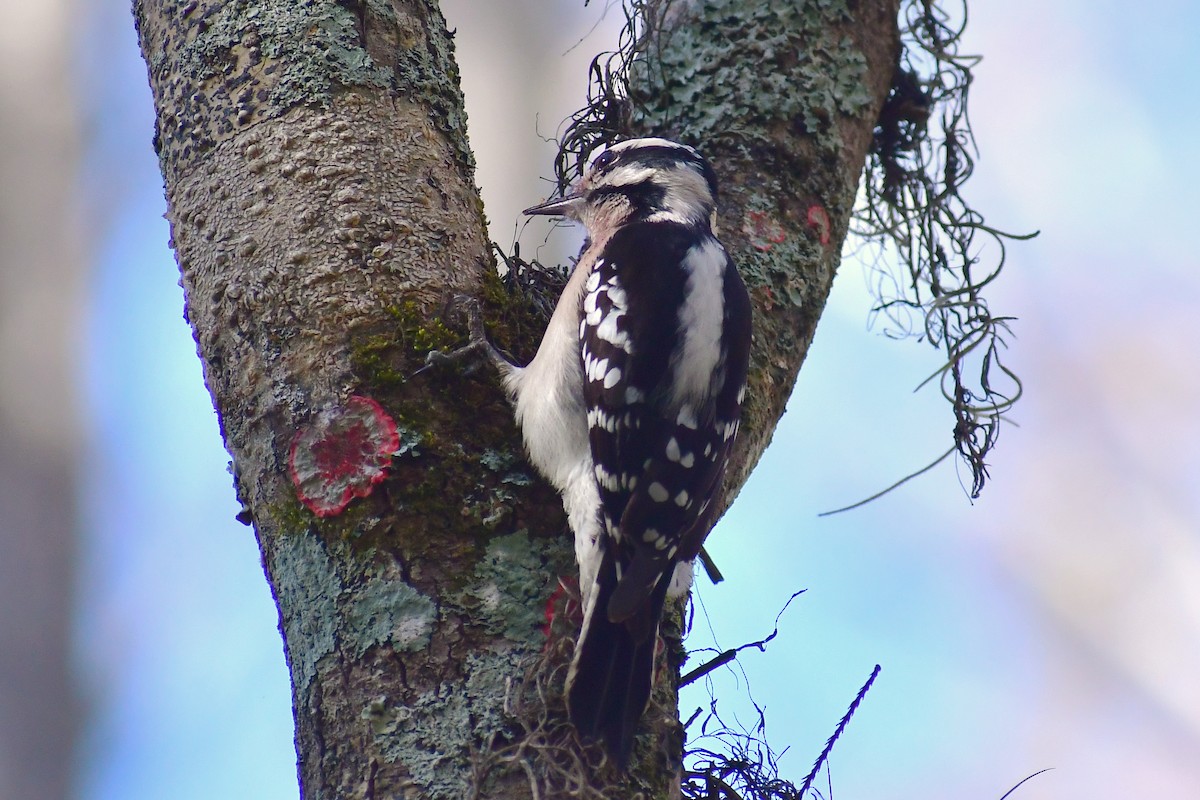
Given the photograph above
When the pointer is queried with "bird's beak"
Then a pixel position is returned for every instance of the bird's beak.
(558, 207)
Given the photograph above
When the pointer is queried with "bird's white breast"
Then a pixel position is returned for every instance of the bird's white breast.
(548, 393)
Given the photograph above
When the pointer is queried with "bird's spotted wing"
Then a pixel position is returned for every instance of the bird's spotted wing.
(658, 460)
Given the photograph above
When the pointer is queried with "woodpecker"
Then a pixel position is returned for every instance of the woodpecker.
(630, 408)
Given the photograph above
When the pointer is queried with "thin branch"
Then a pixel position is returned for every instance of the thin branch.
(728, 655)
(1022, 782)
(895, 485)
(837, 732)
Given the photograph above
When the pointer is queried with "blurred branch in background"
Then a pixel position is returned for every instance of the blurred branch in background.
(41, 270)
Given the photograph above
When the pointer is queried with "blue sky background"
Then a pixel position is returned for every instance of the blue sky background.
(1053, 623)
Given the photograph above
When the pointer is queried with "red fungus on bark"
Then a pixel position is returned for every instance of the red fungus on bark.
(342, 455)
(763, 230)
(818, 218)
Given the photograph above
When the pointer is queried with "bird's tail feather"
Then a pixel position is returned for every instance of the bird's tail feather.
(608, 685)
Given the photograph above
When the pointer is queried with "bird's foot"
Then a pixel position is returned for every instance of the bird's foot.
(478, 344)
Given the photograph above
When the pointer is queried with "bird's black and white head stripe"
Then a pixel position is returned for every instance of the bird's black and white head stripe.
(639, 161)
(640, 180)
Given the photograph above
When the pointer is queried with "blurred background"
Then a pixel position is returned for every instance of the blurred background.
(1053, 623)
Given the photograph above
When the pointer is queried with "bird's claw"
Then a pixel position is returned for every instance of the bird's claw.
(474, 311)
(471, 307)
(437, 358)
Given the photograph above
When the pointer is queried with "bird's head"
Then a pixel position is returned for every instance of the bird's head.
(639, 180)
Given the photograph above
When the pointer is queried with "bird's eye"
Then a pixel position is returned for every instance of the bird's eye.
(604, 160)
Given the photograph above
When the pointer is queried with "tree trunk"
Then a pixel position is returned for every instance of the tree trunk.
(323, 210)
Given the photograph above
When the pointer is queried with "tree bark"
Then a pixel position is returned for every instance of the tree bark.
(323, 210)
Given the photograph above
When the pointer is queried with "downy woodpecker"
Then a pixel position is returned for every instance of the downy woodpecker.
(630, 408)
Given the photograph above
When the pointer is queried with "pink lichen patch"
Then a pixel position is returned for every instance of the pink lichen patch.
(763, 230)
(342, 455)
(818, 219)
